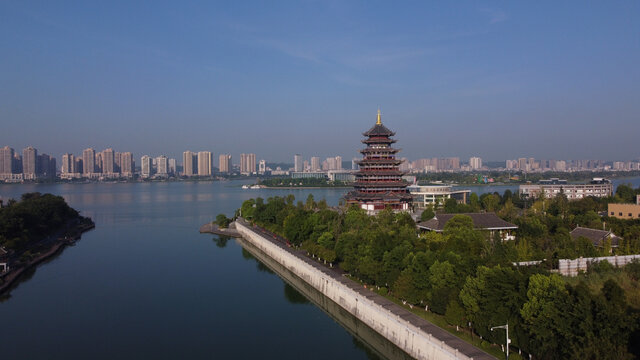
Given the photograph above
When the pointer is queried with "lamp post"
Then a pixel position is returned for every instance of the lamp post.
(506, 327)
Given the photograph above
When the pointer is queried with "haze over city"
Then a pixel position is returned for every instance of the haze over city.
(495, 80)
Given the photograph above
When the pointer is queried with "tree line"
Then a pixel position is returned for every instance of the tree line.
(32, 218)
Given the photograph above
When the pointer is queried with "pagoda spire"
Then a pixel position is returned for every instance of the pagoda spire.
(379, 122)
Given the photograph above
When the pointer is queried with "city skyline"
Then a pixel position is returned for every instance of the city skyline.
(493, 81)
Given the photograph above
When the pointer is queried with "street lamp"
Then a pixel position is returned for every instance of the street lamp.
(506, 327)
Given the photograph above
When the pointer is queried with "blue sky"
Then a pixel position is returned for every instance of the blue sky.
(494, 79)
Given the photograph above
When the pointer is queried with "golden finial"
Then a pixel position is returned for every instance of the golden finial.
(379, 122)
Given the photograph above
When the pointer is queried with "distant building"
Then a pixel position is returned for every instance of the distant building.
(354, 164)
(108, 161)
(68, 164)
(29, 163)
(224, 161)
(598, 187)
(162, 166)
(308, 175)
(247, 164)
(315, 164)
(6, 160)
(173, 166)
(88, 162)
(341, 175)
(127, 164)
(262, 167)
(46, 166)
(204, 163)
(189, 163)
(435, 195)
(481, 221)
(297, 163)
(146, 166)
(475, 163)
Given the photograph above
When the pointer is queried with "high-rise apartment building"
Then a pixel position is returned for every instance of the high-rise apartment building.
(88, 162)
(224, 161)
(315, 164)
(146, 166)
(247, 163)
(172, 166)
(162, 165)
(262, 166)
(204, 163)
(68, 165)
(189, 163)
(7, 159)
(126, 164)
(117, 162)
(29, 163)
(79, 167)
(108, 161)
(297, 163)
(46, 166)
(475, 163)
(338, 163)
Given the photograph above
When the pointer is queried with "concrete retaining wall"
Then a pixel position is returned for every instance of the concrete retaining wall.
(417, 337)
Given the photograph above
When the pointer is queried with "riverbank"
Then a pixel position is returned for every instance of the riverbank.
(51, 246)
(414, 335)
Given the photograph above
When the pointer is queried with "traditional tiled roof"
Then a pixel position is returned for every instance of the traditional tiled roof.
(379, 130)
(481, 221)
(596, 236)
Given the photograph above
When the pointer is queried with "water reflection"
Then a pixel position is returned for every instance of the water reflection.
(221, 240)
(293, 296)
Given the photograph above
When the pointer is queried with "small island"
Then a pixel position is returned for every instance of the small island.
(33, 230)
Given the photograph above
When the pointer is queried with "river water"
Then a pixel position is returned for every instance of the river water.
(146, 284)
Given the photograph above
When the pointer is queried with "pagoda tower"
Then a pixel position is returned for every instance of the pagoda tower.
(379, 182)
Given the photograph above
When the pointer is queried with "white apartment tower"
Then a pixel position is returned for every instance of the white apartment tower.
(189, 164)
(29, 160)
(68, 164)
(204, 163)
(162, 165)
(224, 161)
(475, 163)
(108, 161)
(126, 164)
(297, 163)
(247, 163)
(88, 161)
(315, 164)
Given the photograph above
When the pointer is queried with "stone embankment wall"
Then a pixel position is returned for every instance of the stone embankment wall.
(417, 337)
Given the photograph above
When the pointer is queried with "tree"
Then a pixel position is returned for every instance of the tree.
(543, 312)
(450, 206)
(427, 214)
(454, 314)
(222, 221)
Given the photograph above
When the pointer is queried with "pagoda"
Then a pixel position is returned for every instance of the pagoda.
(379, 182)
